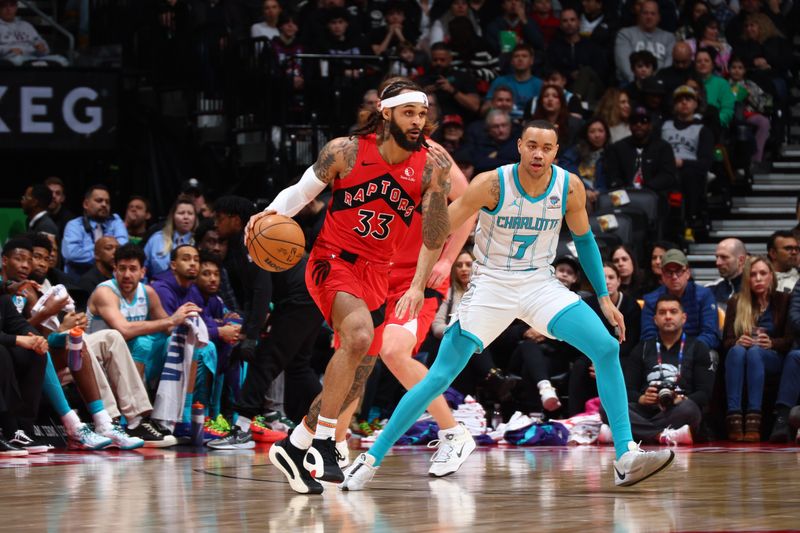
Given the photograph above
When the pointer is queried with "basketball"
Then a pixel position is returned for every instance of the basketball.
(276, 243)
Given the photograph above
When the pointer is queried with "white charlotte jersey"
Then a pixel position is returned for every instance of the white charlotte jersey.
(521, 233)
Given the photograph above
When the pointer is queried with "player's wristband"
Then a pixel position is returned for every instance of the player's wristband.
(292, 199)
(591, 262)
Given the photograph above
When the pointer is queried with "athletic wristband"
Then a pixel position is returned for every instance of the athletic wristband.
(591, 262)
(292, 199)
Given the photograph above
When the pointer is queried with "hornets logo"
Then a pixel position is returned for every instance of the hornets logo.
(320, 271)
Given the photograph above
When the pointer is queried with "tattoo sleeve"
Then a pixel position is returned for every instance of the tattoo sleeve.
(340, 150)
(362, 373)
(435, 220)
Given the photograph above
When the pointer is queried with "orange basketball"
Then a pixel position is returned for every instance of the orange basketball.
(276, 243)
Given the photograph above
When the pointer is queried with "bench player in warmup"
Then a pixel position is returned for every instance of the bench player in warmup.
(376, 190)
(521, 208)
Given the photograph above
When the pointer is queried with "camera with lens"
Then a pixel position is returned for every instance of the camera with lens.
(666, 392)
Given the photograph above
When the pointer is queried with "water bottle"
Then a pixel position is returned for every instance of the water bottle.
(74, 347)
(198, 419)
(497, 417)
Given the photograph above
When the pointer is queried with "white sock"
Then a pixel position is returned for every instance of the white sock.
(71, 422)
(102, 420)
(134, 421)
(544, 384)
(301, 437)
(243, 422)
(326, 428)
(455, 429)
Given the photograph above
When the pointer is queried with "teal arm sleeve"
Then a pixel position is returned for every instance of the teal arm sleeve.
(591, 262)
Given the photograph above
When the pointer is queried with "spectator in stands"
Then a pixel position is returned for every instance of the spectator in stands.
(499, 147)
(396, 30)
(730, 256)
(455, 91)
(285, 46)
(756, 336)
(471, 53)
(541, 12)
(681, 68)
(410, 62)
(585, 159)
(735, 28)
(208, 240)
(757, 107)
(709, 36)
(103, 269)
(644, 36)
(598, 26)
(34, 203)
(20, 43)
(691, 11)
(340, 39)
(452, 133)
(789, 388)
(57, 210)
(630, 276)
(652, 278)
(697, 302)
(642, 160)
(718, 92)
(643, 65)
(513, 25)
(460, 275)
(614, 108)
(523, 84)
(766, 53)
(137, 217)
(556, 77)
(81, 233)
(502, 100)
(440, 28)
(654, 99)
(23, 357)
(578, 57)
(582, 379)
(269, 27)
(693, 146)
(784, 252)
(667, 9)
(669, 378)
(178, 229)
(552, 106)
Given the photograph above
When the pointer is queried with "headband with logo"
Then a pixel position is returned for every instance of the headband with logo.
(411, 97)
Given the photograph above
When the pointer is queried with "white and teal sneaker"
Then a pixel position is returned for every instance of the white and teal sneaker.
(120, 439)
(359, 473)
(86, 439)
(636, 465)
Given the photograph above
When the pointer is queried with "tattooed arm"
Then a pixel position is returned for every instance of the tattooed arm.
(483, 191)
(435, 228)
(335, 159)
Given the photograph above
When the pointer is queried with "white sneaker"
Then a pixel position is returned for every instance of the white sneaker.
(605, 436)
(636, 465)
(120, 439)
(85, 439)
(550, 400)
(342, 454)
(674, 437)
(454, 447)
(359, 473)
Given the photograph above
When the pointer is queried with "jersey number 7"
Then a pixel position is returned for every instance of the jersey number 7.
(524, 242)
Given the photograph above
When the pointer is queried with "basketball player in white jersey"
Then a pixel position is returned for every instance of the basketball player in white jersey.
(520, 209)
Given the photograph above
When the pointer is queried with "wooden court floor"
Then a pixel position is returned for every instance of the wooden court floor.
(753, 488)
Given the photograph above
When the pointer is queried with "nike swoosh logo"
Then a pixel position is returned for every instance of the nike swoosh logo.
(621, 476)
(460, 451)
(364, 163)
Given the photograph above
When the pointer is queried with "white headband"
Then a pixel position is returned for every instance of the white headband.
(411, 97)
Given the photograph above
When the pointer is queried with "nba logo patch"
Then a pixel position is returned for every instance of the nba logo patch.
(554, 202)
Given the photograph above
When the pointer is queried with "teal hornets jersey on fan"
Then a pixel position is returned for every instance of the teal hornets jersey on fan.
(521, 233)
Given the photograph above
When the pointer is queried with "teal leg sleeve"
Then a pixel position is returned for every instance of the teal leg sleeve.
(53, 390)
(582, 328)
(95, 406)
(454, 353)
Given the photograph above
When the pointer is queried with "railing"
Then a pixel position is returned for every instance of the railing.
(59, 28)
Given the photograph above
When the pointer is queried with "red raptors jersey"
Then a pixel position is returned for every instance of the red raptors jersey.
(404, 261)
(373, 206)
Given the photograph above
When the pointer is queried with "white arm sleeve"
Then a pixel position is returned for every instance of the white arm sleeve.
(292, 199)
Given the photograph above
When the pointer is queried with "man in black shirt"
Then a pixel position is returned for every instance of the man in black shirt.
(293, 324)
(669, 380)
(456, 91)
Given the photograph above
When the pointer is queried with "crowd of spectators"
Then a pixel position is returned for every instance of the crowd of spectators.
(645, 94)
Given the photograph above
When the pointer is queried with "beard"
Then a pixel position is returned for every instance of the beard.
(402, 141)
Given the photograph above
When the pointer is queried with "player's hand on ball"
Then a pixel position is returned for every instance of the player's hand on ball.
(253, 219)
(409, 304)
(614, 317)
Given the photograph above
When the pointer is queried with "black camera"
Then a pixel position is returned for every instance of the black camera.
(666, 392)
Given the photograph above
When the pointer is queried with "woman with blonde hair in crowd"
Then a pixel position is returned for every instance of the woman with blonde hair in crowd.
(460, 274)
(757, 336)
(179, 226)
(615, 109)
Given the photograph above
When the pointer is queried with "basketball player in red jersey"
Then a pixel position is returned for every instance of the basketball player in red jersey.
(376, 190)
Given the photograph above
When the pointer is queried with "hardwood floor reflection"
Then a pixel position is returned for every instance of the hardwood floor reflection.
(557, 489)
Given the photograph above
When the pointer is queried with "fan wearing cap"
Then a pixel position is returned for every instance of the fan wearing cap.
(452, 133)
(698, 302)
(643, 160)
(693, 145)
